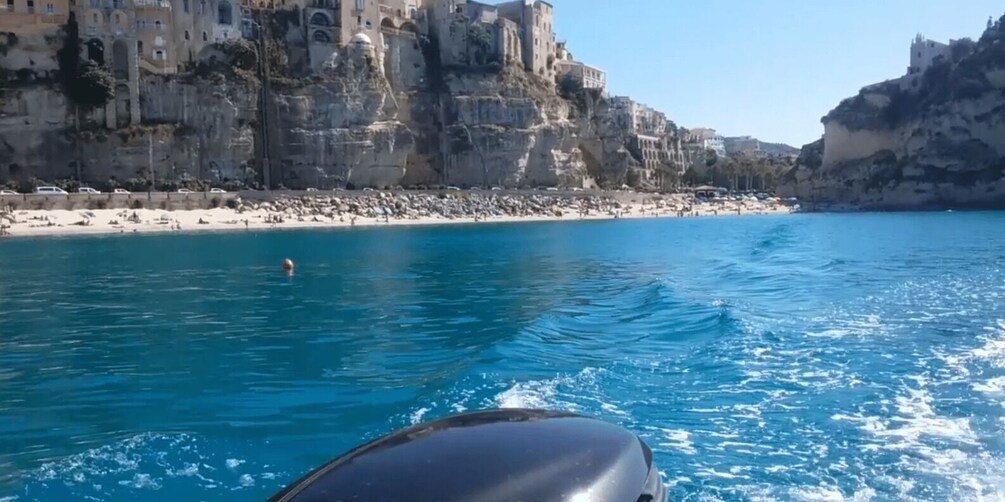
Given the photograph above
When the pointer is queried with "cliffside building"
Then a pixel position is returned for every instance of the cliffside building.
(709, 139)
(924, 52)
(35, 24)
(638, 118)
(588, 76)
(536, 21)
(653, 140)
(473, 33)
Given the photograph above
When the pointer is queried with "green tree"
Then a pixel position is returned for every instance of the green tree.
(242, 54)
(93, 87)
(87, 86)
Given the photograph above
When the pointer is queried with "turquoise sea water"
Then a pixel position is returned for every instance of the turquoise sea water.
(809, 357)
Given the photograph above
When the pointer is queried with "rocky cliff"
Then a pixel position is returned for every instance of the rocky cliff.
(928, 140)
(400, 119)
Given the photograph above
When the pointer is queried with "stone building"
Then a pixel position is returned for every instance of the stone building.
(401, 25)
(924, 52)
(536, 22)
(653, 140)
(35, 25)
(331, 24)
(709, 139)
(112, 37)
(562, 52)
(588, 76)
(638, 118)
(155, 43)
(473, 33)
(198, 24)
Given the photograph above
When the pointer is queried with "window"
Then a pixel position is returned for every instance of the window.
(159, 55)
(320, 19)
(49, 9)
(31, 6)
(224, 13)
(202, 7)
(157, 24)
(185, 3)
(187, 36)
(139, 48)
(118, 19)
(321, 37)
(94, 17)
(204, 37)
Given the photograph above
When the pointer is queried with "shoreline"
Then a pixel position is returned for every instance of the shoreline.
(298, 214)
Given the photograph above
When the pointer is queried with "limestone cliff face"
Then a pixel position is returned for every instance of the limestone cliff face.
(194, 128)
(356, 124)
(354, 118)
(924, 141)
(344, 128)
(507, 131)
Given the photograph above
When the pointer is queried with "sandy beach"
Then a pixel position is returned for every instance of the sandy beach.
(382, 209)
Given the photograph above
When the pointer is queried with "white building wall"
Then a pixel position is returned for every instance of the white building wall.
(924, 52)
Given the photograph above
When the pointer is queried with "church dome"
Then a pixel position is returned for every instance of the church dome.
(360, 39)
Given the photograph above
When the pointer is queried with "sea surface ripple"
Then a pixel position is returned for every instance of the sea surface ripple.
(808, 357)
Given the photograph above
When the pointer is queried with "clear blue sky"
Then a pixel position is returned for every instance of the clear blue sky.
(767, 68)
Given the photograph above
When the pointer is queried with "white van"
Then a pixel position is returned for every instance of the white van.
(50, 191)
(88, 190)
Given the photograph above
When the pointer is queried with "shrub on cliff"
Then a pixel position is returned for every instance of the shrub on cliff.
(93, 87)
(85, 83)
(962, 48)
(7, 40)
(242, 54)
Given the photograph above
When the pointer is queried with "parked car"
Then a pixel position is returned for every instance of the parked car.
(577, 189)
(8, 192)
(312, 189)
(551, 189)
(121, 191)
(50, 191)
(217, 190)
(455, 189)
(496, 189)
(184, 190)
(368, 189)
(88, 191)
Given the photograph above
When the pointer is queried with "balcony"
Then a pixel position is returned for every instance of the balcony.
(150, 4)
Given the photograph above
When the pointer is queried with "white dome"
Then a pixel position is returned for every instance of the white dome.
(360, 39)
